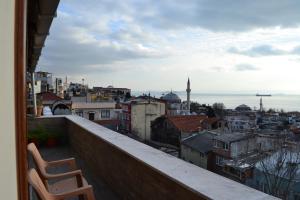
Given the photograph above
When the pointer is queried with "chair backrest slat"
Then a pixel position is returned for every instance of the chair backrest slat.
(38, 185)
(38, 160)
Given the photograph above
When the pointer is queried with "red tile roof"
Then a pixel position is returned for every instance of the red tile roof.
(187, 123)
(209, 121)
(49, 96)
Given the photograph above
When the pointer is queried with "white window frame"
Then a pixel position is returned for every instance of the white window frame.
(106, 114)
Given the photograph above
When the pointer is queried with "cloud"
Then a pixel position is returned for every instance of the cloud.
(264, 50)
(217, 68)
(245, 67)
(104, 36)
(296, 50)
(216, 15)
(74, 47)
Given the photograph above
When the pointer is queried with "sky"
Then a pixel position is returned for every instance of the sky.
(227, 46)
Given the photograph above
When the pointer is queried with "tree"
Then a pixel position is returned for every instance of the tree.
(127, 95)
(279, 170)
(195, 107)
(219, 109)
(271, 110)
(198, 108)
(210, 112)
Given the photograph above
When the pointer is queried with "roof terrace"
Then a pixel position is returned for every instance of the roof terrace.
(132, 170)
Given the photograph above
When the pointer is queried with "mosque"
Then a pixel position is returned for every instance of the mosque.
(174, 104)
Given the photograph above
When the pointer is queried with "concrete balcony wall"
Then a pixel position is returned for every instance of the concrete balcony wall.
(137, 171)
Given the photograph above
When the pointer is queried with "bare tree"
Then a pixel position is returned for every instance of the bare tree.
(219, 109)
(280, 171)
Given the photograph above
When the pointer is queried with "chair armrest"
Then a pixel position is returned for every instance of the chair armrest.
(87, 191)
(64, 175)
(69, 161)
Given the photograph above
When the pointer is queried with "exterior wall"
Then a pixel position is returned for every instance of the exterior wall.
(142, 115)
(8, 181)
(267, 143)
(125, 118)
(83, 109)
(97, 113)
(134, 180)
(37, 87)
(82, 99)
(148, 172)
(162, 130)
(54, 125)
(240, 147)
(46, 81)
(194, 157)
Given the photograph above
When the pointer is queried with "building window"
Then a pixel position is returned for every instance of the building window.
(226, 146)
(219, 160)
(79, 113)
(105, 114)
(91, 116)
(216, 143)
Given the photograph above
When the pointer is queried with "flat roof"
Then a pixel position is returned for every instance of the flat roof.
(232, 137)
(202, 142)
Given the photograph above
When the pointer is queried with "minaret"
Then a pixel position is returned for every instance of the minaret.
(188, 94)
(260, 105)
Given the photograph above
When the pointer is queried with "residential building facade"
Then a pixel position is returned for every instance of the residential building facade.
(172, 129)
(96, 111)
(197, 149)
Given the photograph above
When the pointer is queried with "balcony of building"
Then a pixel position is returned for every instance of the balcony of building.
(119, 167)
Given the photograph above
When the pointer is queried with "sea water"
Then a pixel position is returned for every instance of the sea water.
(231, 101)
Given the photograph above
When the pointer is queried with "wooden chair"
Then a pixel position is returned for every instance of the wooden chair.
(38, 185)
(67, 181)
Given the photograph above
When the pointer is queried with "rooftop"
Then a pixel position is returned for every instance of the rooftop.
(246, 161)
(109, 88)
(100, 105)
(200, 142)
(187, 123)
(233, 137)
(49, 96)
(171, 97)
(148, 172)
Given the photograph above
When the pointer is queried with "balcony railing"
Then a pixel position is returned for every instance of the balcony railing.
(134, 170)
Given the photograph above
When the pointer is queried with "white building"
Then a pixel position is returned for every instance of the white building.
(96, 111)
(239, 123)
(142, 113)
(46, 80)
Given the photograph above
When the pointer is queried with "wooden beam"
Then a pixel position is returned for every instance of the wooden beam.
(20, 97)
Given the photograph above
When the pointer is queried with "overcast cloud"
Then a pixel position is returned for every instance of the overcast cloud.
(172, 39)
(245, 67)
(264, 50)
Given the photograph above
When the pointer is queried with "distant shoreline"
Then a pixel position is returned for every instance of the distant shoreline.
(287, 102)
(210, 94)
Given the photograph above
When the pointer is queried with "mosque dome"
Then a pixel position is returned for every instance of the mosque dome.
(171, 98)
(243, 107)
